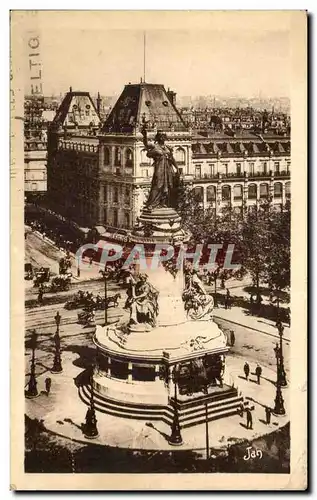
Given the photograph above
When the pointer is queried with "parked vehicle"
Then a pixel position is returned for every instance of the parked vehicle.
(86, 317)
(60, 283)
(28, 271)
(42, 276)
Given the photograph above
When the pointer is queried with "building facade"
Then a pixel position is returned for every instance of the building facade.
(100, 175)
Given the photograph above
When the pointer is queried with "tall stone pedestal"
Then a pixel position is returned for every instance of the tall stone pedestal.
(136, 361)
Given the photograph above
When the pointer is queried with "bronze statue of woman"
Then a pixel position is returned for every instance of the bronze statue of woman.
(165, 178)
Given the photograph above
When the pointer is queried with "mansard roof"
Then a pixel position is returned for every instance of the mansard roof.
(144, 102)
(77, 110)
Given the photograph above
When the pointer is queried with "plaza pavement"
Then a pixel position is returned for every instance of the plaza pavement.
(62, 413)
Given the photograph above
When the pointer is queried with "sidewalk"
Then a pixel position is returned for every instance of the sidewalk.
(62, 413)
(236, 315)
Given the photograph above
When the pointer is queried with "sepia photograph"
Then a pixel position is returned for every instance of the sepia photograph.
(158, 164)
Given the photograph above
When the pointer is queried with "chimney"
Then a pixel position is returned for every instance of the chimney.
(98, 104)
(70, 89)
(172, 96)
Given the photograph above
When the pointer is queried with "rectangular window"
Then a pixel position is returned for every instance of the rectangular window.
(198, 171)
(238, 167)
(288, 167)
(212, 169)
(264, 165)
(277, 167)
(251, 168)
(225, 169)
(34, 186)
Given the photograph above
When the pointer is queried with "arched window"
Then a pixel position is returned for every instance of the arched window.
(127, 196)
(199, 193)
(226, 193)
(211, 193)
(288, 190)
(115, 217)
(127, 219)
(264, 190)
(106, 156)
(237, 192)
(115, 195)
(179, 155)
(252, 192)
(117, 156)
(128, 157)
(278, 190)
(144, 159)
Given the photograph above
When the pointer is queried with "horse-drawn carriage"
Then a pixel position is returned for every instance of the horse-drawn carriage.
(41, 276)
(80, 299)
(28, 271)
(64, 264)
(86, 317)
(60, 283)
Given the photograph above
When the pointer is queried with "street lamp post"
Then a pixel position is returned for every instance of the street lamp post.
(32, 391)
(57, 366)
(105, 276)
(279, 401)
(176, 437)
(90, 429)
(281, 371)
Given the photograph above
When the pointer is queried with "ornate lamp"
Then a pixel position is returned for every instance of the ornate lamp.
(176, 437)
(90, 428)
(32, 391)
(57, 366)
(279, 401)
(281, 371)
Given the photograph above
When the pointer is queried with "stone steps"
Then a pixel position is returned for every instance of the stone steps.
(190, 413)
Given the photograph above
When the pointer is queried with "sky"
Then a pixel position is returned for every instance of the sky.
(245, 63)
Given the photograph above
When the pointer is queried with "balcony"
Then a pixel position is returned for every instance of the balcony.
(282, 174)
(261, 175)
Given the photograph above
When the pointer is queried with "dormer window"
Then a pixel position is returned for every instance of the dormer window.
(148, 103)
(165, 103)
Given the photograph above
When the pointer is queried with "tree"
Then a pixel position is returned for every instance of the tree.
(277, 273)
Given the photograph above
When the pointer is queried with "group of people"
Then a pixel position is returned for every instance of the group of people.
(249, 417)
(258, 372)
(268, 411)
(60, 240)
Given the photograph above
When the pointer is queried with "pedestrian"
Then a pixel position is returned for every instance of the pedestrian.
(258, 304)
(258, 372)
(288, 317)
(251, 304)
(249, 418)
(90, 261)
(40, 295)
(78, 272)
(228, 297)
(241, 409)
(48, 383)
(246, 369)
(57, 318)
(232, 338)
(267, 415)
